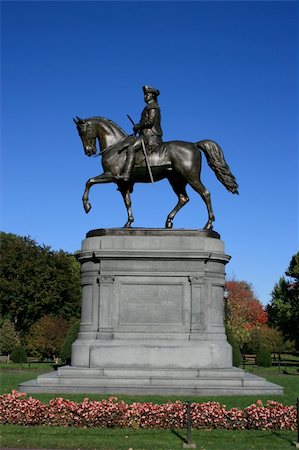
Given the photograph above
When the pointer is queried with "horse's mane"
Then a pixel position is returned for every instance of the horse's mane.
(109, 122)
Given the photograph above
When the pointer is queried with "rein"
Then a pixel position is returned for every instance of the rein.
(106, 149)
(100, 153)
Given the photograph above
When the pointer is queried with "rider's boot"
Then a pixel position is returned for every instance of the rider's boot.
(129, 165)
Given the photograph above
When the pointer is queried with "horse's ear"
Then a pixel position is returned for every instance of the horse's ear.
(79, 119)
(76, 121)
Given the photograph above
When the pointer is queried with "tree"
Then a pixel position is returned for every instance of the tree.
(9, 338)
(46, 336)
(283, 310)
(19, 355)
(272, 338)
(243, 310)
(36, 281)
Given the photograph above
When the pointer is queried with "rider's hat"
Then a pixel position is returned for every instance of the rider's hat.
(151, 90)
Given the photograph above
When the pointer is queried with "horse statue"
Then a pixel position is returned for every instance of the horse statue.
(178, 161)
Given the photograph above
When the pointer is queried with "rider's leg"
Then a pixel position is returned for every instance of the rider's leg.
(130, 161)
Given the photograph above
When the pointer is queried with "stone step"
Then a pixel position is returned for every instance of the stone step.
(126, 381)
(32, 386)
(76, 372)
(210, 382)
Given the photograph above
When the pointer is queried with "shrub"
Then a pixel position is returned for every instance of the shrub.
(237, 357)
(17, 408)
(18, 355)
(66, 350)
(263, 357)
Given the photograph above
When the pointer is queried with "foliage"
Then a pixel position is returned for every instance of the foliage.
(243, 310)
(19, 355)
(9, 338)
(272, 338)
(237, 357)
(66, 350)
(36, 281)
(283, 310)
(46, 336)
(16, 408)
(263, 356)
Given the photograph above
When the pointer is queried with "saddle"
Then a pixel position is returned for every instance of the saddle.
(157, 156)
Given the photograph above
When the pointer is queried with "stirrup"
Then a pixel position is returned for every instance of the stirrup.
(123, 177)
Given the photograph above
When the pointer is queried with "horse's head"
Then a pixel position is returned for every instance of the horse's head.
(88, 134)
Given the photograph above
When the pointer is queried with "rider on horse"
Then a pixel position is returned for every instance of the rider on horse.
(149, 129)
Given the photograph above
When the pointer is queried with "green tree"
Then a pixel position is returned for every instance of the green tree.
(9, 338)
(283, 310)
(36, 281)
(272, 338)
(19, 355)
(46, 337)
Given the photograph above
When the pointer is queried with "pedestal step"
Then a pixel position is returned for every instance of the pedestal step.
(153, 382)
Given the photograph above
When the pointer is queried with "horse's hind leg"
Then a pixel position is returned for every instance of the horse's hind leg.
(125, 192)
(205, 195)
(179, 187)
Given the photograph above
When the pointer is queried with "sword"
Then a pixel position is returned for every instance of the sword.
(144, 152)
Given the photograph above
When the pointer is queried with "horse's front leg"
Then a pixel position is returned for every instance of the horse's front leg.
(125, 192)
(104, 178)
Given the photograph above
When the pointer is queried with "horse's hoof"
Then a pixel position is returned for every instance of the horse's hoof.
(87, 207)
(168, 224)
(128, 224)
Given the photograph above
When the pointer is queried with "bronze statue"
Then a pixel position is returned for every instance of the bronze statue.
(127, 159)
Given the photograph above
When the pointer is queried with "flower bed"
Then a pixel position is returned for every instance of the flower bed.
(17, 408)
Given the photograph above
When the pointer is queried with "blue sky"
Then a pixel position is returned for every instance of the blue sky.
(227, 71)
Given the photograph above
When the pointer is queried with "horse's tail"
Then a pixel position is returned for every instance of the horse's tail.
(216, 161)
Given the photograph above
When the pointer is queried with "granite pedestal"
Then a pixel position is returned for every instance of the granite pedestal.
(152, 318)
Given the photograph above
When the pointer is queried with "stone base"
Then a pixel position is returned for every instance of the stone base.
(137, 381)
(152, 318)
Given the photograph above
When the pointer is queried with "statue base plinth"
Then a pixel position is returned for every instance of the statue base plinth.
(152, 318)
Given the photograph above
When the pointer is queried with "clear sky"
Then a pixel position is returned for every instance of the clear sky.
(227, 71)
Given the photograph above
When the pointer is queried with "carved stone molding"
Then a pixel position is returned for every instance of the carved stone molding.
(107, 279)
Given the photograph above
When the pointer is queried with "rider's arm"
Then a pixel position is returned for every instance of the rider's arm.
(147, 121)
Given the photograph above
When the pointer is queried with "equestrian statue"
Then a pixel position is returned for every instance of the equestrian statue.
(143, 158)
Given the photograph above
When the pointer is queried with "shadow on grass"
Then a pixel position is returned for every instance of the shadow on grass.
(179, 435)
(284, 438)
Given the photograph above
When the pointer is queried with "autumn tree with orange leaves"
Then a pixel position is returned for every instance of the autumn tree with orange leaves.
(243, 311)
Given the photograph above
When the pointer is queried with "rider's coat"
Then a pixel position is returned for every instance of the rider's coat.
(150, 125)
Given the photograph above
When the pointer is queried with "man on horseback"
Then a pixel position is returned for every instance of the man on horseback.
(149, 129)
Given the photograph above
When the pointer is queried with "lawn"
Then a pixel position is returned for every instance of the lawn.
(118, 439)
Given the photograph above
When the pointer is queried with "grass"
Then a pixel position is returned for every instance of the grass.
(11, 377)
(28, 365)
(124, 439)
